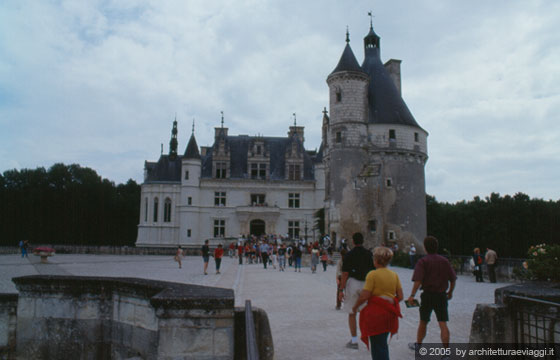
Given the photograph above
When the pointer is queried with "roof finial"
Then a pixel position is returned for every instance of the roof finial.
(295, 122)
(347, 35)
(370, 13)
(222, 119)
(325, 112)
(193, 126)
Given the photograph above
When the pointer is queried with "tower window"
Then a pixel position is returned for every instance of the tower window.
(372, 226)
(294, 172)
(189, 232)
(293, 200)
(392, 134)
(219, 228)
(155, 209)
(220, 198)
(338, 136)
(258, 171)
(189, 200)
(146, 210)
(338, 96)
(389, 182)
(167, 210)
(257, 199)
(391, 235)
(416, 137)
(293, 229)
(186, 175)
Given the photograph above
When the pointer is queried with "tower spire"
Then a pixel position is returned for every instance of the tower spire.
(370, 14)
(222, 119)
(192, 126)
(347, 35)
(173, 142)
(295, 120)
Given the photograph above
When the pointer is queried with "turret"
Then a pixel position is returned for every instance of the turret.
(348, 85)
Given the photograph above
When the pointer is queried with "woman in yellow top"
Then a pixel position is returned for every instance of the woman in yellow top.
(383, 292)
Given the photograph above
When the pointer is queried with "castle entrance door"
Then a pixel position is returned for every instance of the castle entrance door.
(257, 227)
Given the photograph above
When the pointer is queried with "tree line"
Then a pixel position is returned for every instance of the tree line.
(67, 204)
(507, 224)
(70, 204)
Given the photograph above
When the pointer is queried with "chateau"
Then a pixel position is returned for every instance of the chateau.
(368, 174)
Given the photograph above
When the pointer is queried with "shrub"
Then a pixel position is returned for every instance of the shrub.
(542, 262)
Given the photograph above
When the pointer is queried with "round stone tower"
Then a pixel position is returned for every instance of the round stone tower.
(375, 155)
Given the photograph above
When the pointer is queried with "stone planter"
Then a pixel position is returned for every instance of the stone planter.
(44, 253)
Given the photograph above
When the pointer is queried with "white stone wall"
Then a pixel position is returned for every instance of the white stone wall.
(159, 232)
(353, 104)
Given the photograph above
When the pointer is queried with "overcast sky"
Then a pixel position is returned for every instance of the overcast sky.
(99, 83)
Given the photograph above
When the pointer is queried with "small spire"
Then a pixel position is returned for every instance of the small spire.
(325, 112)
(161, 149)
(222, 119)
(295, 120)
(370, 14)
(193, 126)
(347, 35)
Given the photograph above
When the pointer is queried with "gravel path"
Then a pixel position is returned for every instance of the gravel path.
(300, 306)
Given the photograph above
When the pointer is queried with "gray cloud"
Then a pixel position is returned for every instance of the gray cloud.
(99, 83)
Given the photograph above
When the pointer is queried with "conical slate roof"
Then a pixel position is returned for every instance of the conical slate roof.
(191, 152)
(386, 106)
(348, 61)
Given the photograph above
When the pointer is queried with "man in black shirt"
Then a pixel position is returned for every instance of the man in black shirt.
(356, 265)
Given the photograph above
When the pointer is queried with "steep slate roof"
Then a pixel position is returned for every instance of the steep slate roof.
(347, 61)
(276, 148)
(191, 152)
(164, 170)
(386, 106)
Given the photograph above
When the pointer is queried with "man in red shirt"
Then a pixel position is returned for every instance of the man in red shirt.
(218, 254)
(436, 276)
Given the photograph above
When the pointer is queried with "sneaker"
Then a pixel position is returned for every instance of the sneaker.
(351, 345)
(413, 346)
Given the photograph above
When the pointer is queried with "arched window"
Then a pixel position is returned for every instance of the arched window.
(156, 203)
(167, 210)
(146, 210)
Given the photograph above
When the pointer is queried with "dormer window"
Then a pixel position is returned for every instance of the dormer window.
(259, 151)
(221, 170)
(258, 171)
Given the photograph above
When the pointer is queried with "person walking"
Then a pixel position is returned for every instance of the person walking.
(289, 253)
(436, 276)
(357, 264)
(240, 249)
(490, 258)
(282, 257)
(205, 256)
(412, 255)
(338, 277)
(23, 245)
(383, 292)
(264, 253)
(297, 258)
(324, 259)
(477, 258)
(218, 254)
(178, 256)
(314, 259)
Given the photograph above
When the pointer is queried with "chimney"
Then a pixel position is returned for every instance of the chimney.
(393, 66)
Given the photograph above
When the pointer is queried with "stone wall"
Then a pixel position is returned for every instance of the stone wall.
(93, 317)
(8, 317)
(496, 323)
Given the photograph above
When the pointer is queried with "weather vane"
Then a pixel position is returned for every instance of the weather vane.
(295, 124)
(370, 14)
(222, 118)
(347, 35)
(193, 126)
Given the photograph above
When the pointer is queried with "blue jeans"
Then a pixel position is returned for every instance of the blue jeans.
(298, 263)
(379, 347)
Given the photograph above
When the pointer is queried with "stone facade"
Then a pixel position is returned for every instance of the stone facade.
(368, 174)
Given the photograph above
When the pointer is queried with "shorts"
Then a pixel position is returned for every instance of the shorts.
(433, 301)
(352, 293)
(206, 258)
